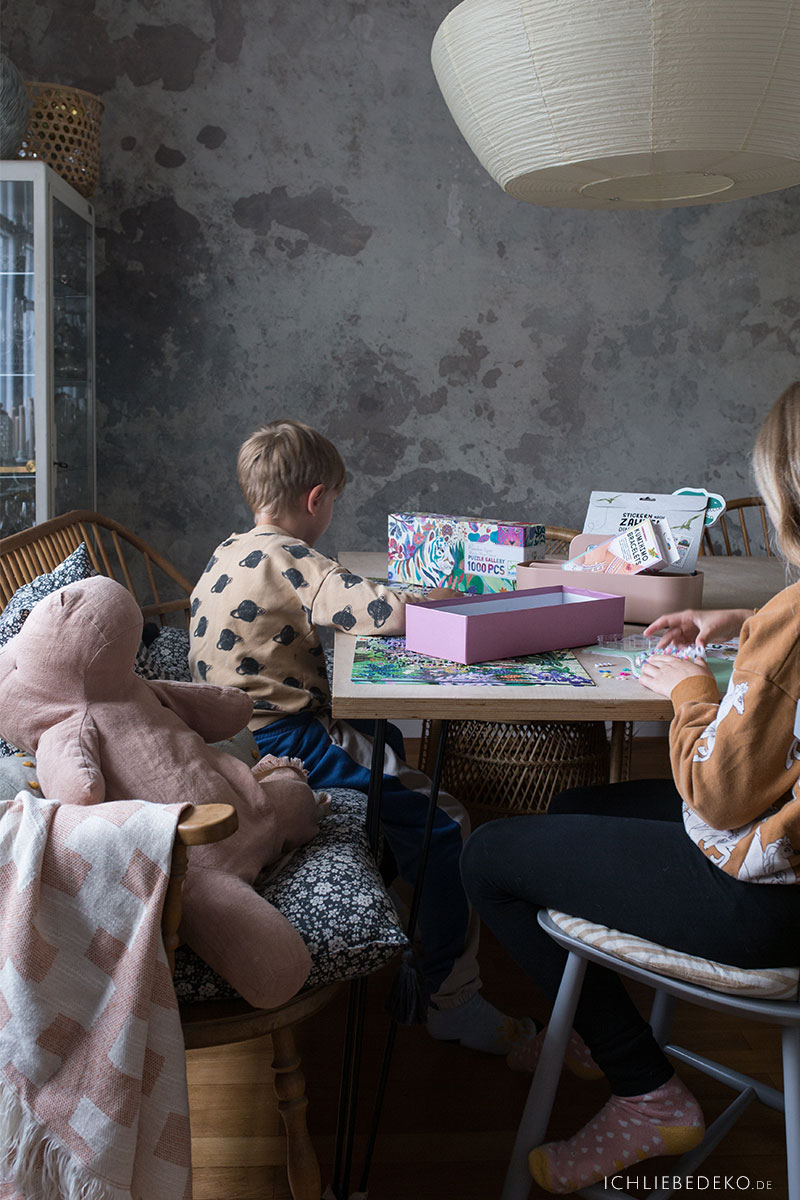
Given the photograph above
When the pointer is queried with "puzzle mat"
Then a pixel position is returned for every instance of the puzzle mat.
(386, 660)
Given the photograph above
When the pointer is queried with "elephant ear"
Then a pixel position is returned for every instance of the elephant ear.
(68, 761)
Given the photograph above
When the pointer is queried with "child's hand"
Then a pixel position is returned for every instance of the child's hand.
(662, 672)
(698, 625)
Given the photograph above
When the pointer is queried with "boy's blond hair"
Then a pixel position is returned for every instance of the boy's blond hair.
(776, 463)
(282, 461)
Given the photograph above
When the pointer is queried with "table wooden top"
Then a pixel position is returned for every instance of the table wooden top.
(739, 582)
(614, 699)
(728, 583)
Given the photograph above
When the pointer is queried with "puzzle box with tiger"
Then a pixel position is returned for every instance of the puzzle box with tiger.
(475, 556)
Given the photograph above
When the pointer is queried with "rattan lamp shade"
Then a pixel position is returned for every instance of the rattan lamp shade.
(626, 103)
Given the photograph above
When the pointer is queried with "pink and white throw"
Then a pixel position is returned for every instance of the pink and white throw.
(93, 1100)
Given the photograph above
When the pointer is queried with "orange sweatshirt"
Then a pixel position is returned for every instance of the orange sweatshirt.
(736, 761)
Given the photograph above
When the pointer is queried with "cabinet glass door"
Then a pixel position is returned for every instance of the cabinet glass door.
(17, 440)
(73, 340)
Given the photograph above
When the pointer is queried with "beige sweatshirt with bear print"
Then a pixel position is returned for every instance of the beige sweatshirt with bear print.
(736, 761)
(255, 613)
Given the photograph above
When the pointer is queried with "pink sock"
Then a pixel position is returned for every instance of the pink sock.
(524, 1056)
(627, 1130)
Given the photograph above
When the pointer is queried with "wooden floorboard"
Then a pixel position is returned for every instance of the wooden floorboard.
(450, 1115)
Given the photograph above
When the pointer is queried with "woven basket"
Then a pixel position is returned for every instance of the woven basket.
(64, 132)
(500, 768)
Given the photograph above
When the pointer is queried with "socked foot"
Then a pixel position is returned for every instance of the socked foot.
(478, 1025)
(524, 1056)
(627, 1130)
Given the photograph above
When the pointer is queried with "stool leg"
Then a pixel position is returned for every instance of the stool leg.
(536, 1114)
(302, 1165)
(790, 1042)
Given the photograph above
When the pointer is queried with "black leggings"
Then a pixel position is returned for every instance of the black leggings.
(619, 855)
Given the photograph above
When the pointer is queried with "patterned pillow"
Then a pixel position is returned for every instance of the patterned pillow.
(778, 983)
(331, 891)
(74, 568)
(165, 656)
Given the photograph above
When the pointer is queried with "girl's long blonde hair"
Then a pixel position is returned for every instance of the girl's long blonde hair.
(776, 463)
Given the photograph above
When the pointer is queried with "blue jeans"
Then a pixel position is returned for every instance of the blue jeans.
(444, 911)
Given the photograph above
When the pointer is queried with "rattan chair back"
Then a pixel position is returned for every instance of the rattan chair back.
(732, 521)
(158, 588)
(557, 539)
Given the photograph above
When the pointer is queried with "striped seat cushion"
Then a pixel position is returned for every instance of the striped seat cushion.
(773, 983)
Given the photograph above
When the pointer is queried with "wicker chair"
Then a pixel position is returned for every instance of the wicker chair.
(509, 768)
(159, 589)
(723, 526)
(287, 1166)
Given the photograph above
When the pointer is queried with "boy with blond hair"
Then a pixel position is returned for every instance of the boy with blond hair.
(256, 612)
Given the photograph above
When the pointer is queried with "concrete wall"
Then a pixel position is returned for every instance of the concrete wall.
(289, 223)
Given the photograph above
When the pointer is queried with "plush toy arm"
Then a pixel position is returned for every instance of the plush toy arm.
(67, 762)
(213, 712)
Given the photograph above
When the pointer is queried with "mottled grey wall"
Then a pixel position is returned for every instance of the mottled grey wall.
(290, 224)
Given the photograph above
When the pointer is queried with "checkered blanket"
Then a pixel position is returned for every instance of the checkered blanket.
(93, 1101)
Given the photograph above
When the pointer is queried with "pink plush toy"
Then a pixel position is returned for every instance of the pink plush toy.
(69, 695)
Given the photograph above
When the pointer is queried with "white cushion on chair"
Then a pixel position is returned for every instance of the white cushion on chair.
(777, 983)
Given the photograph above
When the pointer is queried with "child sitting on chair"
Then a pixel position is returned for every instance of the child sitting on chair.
(255, 615)
(681, 863)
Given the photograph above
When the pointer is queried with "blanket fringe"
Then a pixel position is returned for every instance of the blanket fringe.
(38, 1165)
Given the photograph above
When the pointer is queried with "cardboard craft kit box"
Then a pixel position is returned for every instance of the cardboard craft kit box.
(482, 628)
(609, 512)
(472, 556)
(646, 596)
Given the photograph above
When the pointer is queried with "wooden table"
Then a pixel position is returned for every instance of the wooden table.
(616, 699)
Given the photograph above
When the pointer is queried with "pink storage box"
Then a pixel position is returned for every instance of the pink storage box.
(504, 625)
(646, 596)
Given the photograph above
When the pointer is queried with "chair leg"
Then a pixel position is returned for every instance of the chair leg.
(790, 1043)
(536, 1115)
(661, 1016)
(302, 1165)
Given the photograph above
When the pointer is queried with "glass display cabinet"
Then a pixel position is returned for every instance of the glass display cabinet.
(47, 384)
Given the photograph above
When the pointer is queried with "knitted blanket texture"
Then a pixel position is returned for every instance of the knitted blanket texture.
(93, 1100)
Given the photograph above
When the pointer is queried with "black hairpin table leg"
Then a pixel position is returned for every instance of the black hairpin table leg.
(411, 929)
(357, 1003)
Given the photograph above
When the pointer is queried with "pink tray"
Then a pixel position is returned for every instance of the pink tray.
(507, 624)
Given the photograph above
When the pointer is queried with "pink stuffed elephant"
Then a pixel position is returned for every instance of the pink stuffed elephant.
(69, 695)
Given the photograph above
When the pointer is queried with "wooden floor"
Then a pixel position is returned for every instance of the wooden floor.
(450, 1114)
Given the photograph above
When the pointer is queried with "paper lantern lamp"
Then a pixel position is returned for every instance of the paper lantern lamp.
(626, 103)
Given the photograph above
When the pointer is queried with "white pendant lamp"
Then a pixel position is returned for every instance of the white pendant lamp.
(626, 103)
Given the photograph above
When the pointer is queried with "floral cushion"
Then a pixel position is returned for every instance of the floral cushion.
(164, 654)
(332, 892)
(74, 568)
